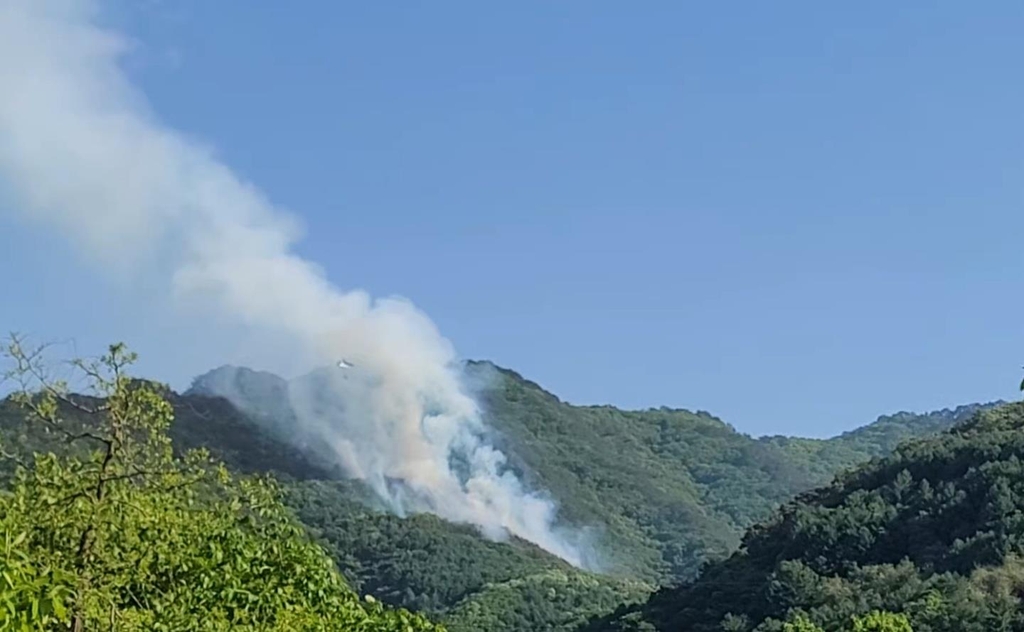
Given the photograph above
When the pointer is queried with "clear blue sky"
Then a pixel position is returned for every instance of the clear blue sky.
(797, 216)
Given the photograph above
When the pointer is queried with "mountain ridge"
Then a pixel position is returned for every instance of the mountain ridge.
(673, 490)
(669, 488)
(931, 534)
(200, 384)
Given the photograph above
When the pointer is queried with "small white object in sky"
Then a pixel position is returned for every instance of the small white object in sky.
(344, 365)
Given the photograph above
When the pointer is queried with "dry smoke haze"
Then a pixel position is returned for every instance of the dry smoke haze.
(82, 154)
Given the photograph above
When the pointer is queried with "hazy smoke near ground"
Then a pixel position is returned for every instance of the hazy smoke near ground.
(83, 155)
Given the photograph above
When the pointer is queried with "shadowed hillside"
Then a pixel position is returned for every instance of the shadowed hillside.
(665, 490)
(674, 488)
(934, 533)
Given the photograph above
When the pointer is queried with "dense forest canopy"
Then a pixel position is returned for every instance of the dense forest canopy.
(933, 534)
(666, 490)
(670, 489)
(673, 488)
(117, 532)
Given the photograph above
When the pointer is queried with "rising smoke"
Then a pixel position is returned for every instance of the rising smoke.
(83, 155)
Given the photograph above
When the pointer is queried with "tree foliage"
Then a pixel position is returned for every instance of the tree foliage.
(672, 489)
(426, 564)
(119, 533)
(668, 489)
(552, 601)
(929, 539)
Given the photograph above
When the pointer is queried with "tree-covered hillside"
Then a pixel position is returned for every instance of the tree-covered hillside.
(934, 533)
(669, 488)
(420, 562)
(674, 488)
(666, 489)
(823, 458)
(103, 526)
(449, 571)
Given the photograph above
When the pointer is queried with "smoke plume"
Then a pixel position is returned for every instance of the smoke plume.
(83, 155)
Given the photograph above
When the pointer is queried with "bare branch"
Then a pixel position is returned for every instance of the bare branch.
(201, 415)
(89, 410)
(70, 438)
(55, 425)
(13, 456)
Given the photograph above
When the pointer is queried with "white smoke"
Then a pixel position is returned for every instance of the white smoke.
(83, 155)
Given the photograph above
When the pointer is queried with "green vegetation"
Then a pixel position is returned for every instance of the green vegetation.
(929, 539)
(449, 571)
(422, 561)
(672, 488)
(669, 490)
(552, 600)
(116, 532)
(875, 621)
(822, 459)
(419, 562)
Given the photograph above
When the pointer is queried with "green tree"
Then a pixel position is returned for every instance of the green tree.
(800, 623)
(121, 534)
(882, 622)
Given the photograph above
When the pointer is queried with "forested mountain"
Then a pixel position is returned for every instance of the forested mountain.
(824, 458)
(420, 562)
(103, 525)
(671, 489)
(932, 535)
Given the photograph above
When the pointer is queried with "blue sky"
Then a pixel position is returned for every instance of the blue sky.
(796, 217)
